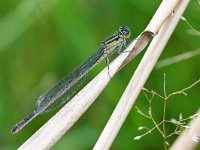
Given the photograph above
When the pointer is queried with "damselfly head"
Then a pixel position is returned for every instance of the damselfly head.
(124, 31)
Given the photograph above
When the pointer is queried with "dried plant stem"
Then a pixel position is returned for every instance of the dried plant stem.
(185, 140)
(143, 70)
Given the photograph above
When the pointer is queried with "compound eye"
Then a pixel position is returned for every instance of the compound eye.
(124, 31)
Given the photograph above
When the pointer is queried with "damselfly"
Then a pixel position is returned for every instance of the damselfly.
(66, 88)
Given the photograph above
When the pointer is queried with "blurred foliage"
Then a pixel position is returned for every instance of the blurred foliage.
(41, 40)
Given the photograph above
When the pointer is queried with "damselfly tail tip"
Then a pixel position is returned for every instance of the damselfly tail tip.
(24, 122)
(14, 129)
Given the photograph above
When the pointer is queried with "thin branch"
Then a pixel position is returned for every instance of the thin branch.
(155, 123)
(141, 113)
(174, 133)
(173, 93)
(183, 90)
(164, 113)
(153, 92)
(149, 131)
(165, 93)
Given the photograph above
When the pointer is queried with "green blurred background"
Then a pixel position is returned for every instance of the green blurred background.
(42, 40)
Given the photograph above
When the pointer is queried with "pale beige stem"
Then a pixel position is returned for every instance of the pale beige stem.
(189, 138)
(141, 74)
